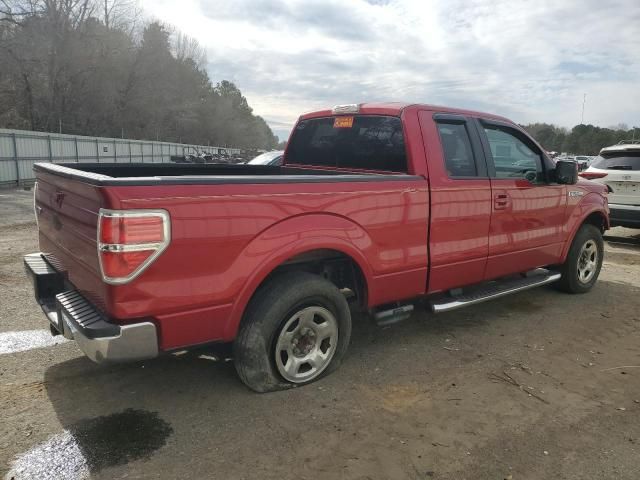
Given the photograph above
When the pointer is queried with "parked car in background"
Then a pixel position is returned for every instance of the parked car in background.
(582, 161)
(268, 158)
(618, 167)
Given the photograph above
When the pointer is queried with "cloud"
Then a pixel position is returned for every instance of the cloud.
(334, 19)
(530, 61)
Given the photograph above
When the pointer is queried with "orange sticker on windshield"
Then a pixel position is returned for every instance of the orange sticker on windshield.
(343, 122)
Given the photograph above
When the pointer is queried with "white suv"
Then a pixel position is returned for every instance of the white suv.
(618, 167)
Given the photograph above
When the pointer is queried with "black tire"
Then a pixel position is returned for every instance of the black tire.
(265, 318)
(570, 281)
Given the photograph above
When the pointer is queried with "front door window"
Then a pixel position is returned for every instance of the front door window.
(512, 157)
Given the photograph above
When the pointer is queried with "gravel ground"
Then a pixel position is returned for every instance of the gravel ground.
(538, 385)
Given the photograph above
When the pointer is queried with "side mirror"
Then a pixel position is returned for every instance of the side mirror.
(531, 176)
(566, 172)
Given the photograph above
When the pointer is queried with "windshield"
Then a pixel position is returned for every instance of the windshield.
(618, 161)
(265, 158)
(367, 142)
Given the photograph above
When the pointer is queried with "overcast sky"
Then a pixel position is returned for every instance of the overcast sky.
(527, 60)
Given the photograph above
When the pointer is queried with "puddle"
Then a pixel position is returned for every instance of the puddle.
(118, 438)
(93, 444)
(12, 342)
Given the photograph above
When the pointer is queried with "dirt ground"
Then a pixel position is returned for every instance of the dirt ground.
(539, 385)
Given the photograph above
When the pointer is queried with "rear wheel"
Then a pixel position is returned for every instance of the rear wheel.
(581, 268)
(296, 330)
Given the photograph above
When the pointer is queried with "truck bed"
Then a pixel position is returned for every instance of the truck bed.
(227, 223)
(115, 174)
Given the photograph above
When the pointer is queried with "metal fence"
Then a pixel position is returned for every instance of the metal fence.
(20, 149)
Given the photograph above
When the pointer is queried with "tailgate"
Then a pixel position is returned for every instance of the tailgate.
(624, 187)
(67, 215)
(622, 175)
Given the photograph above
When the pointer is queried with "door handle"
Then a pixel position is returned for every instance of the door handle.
(501, 201)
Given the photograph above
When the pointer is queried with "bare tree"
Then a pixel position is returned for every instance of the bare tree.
(120, 14)
(14, 12)
(186, 47)
(77, 64)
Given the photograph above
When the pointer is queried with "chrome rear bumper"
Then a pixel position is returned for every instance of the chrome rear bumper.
(73, 316)
(138, 341)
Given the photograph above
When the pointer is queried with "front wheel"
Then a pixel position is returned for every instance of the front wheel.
(296, 330)
(584, 261)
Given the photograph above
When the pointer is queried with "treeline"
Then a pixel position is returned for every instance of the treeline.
(581, 139)
(89, 67)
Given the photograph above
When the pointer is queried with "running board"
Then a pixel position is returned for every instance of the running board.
(495, 289)
(393, 315)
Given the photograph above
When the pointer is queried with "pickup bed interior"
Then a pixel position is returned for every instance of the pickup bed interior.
(105, 174)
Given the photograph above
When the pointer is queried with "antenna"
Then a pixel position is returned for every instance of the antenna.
(584, 100)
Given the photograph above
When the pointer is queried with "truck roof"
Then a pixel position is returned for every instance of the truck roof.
(396, 108)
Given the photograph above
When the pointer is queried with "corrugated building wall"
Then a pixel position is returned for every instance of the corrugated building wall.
(20, 149)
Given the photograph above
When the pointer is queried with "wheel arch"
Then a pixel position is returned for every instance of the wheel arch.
(338, 267)
(597, 219)
(314, 240)
(596, 215)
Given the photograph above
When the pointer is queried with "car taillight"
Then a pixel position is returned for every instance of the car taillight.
(592, 175)
(129, 241)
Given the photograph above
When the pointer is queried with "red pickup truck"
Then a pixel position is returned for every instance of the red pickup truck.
(376, 205)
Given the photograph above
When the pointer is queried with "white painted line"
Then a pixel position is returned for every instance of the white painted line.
(59, 457)
(12, 342)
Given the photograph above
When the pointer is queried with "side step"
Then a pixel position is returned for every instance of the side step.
(392, 315)
(495, 289)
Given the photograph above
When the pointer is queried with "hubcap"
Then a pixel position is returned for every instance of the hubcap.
(587, 261)
(306, 344)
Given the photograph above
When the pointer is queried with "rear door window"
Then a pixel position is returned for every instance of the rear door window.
(456, 147)
(367, 142)
(620, 161)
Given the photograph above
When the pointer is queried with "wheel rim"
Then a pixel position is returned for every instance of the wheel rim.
(306, 344)
(587, 261)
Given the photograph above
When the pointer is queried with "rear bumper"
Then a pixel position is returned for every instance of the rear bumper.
(624, 215)
(71, 315)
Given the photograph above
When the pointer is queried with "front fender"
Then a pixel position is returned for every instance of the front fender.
(292, 237)
(589, 204)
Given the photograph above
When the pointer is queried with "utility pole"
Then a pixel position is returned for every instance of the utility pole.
(584, 100)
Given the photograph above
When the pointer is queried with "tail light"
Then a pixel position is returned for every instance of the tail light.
(592, 175)
(129, 241)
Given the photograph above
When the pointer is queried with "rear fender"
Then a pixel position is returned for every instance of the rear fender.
(292, 237)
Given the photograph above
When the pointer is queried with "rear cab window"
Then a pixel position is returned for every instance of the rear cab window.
(363, 142)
